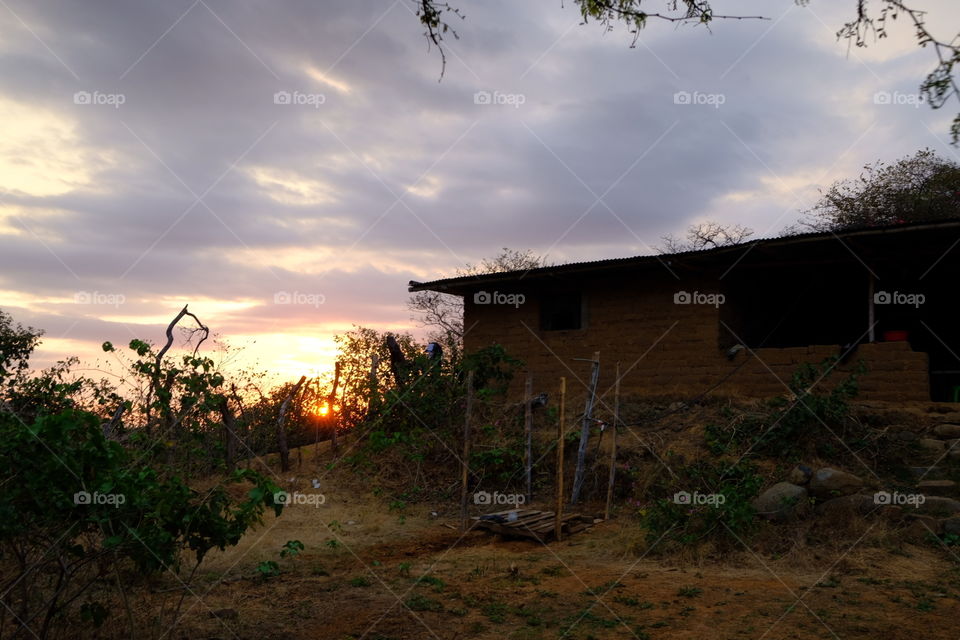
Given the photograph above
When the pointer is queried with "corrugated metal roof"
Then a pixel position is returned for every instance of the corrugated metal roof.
(446, 284)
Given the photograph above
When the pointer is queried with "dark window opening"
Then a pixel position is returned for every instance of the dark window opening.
(786, 308)
(561, 312)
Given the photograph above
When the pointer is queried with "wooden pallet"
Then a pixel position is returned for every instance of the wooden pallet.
(537, 525)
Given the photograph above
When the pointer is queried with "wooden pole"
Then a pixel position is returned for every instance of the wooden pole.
(281, 430)
(613, 448)
(332, 415)
(560, 434)
(465, 462)
(528, 434)
(580, 471)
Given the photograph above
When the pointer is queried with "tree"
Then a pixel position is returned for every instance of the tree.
(442, 313)
(869, 25)
(82, 517)
(706, 235)
(913, 189)
(16, 344)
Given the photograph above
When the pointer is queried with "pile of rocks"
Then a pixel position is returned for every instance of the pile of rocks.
(833, 493)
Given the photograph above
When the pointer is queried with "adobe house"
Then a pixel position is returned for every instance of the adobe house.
(737, 320)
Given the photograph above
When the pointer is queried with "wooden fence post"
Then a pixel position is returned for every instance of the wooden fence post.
(465, 462)
(560, 436)
(585, 430)
(613, 450)
(528, 435)
(281, 430)
(333, 419)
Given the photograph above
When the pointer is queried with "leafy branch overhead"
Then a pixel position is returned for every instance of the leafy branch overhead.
(869, 24)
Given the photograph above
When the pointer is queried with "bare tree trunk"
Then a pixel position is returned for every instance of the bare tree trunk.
(155, 386)
(585, 430)
(281, 430)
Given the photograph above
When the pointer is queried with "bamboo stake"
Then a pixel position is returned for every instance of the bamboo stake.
(465, 474)
(528, 434)
(560, 434)
(613, 449)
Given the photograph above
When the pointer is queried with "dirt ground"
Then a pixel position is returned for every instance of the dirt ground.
(378, 571)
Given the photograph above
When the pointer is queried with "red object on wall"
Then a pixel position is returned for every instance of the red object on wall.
(895, 336)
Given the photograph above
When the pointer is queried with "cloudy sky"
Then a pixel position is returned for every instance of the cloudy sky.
(285, 167)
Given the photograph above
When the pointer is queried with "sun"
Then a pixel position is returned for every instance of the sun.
(323, 409)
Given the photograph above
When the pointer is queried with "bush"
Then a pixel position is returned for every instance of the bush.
(796, 425)
(725, 519)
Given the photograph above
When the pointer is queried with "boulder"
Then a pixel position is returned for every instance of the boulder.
(800, 475)
(782, 502)
(951, 525)
(937, 487)
(844, 506)
(928, 473)
(922, 527)
(829, 483)
(947, 431)
(932, 445)
(937, 505)
(906, 436)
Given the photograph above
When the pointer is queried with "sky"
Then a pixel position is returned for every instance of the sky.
(286, 167)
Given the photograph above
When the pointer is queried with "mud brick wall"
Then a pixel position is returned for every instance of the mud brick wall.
(669, 349)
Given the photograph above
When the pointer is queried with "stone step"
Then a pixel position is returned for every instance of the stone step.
(928, 473)
(937, 487)
(947, 431)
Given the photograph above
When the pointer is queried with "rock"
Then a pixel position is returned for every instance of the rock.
(892, 512)
(938, 505)
(927, 473)
(829, 483)
(922, 527)
(951, 525)
(932, 445)
(843, 506)
(947, 431)
(937, 487)
(225, 614)
(906, 436)
(782, 502)
(800, 475)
